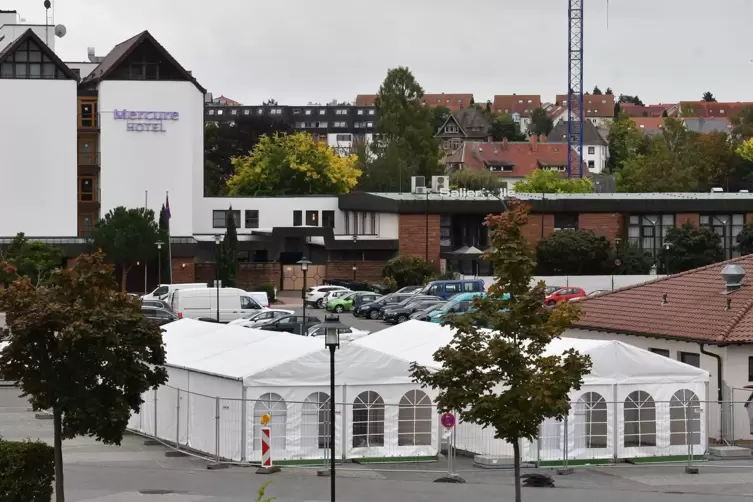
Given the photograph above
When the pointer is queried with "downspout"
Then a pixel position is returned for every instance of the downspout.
(720, 394)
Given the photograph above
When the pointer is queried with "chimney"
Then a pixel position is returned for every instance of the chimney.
(504, 144)
(534, 143)
(733, 275)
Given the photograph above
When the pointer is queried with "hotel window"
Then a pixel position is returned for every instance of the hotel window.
(648, 232)
(322, 112)
(727, 227)
(252, 218)
(29, 62)
(219, 218)
(328, 219)
(344, 137)
(297, 218)
(312, 218)
(87, 112)
(87, 189)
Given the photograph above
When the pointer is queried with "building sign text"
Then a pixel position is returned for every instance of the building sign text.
(141, 121)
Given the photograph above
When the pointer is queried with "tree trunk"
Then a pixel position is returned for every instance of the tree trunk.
(516, 463)
(123, 278)
(58, 426)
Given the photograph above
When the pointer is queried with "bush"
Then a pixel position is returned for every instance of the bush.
(573, 252)
(634, 261)
(27, 470)
(408, 271)
(268, 288)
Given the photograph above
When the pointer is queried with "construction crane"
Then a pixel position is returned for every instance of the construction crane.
(575, 86)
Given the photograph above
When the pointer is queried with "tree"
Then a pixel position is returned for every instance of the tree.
(633, 261)
(164, 253)
(745, 239)
(408, 271)
(689, 247)
(405, 125)
(24, 258)
(546, 181)
(609, 91)
(716, 159)
(743, 123)
(665, 114)
(439, 116)
(503, 126)
(228, 253)
(472, 179)
(541, 123)
(573, 252)
(80, 348)
(708, 97)
(292, 164)
(745, 150)
(625, 141)
(126, 236)
(500, 377)
(270, 102)
(597, 91)
(224, 141)
(625, 98)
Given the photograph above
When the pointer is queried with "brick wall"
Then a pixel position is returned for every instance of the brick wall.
(184, 270)
(370, 271)
(256, 274)
(412, 232)
(532, 229)
(606, 224)
(693, 218)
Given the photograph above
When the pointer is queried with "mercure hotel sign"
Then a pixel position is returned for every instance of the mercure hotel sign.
(141, 121)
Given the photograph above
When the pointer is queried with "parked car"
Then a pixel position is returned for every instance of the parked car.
(446, 289)
(261, 297)
(315, 295)
(459, 305)
(159, 304)
(163, 290)
(347, 335)
(425, 314)
(564, 295)
(295, 324)
(234, 303)
(548, 290)
(265, 315)
(328, 297)
(373, 310)
(348, 303)
(598, 292)
(158, 316)
(355, 285)
(402, 312)
(410, 289)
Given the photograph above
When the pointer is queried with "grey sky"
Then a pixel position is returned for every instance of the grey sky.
(305, 50)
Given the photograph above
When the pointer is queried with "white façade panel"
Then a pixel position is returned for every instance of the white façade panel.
(153, 151)
(38, 158)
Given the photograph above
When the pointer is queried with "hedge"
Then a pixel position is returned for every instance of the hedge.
(27, 470)
(268, 288)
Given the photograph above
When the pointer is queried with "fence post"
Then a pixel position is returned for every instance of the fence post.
(567, 445)
(217, 427)
(244, 426)
(155, 414)
(538, 446)
(177, 423)
(689, 438)
(615, 424)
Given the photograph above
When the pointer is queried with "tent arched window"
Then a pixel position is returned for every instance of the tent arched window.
(683, 420)
(415, 418)
(591, 417)
(368, 420)
(640, 420)
(274, 405)
(315, 418)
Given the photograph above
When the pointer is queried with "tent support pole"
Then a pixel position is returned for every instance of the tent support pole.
(155, 414)
(343, 425)
(615, 432)
(244, 429)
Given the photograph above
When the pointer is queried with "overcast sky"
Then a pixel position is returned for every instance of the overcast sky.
(298, 51)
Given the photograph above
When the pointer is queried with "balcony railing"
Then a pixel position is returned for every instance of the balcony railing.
(93, 196)
(88, 158)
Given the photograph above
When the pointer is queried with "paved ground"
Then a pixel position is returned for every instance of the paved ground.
(98, 473)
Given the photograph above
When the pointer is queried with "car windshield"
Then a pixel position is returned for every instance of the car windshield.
(432, 308)
(348, 296)
(549, 290)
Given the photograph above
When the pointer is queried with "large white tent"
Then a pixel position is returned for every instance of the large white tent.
(629, 405)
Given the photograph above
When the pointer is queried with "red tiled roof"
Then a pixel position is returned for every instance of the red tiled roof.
(225, 101)
(524, 157)
(645, 111)
(454, 102)
(594, 105)
(695, 309)
(524, 104)
(649, 124)
(708, 109)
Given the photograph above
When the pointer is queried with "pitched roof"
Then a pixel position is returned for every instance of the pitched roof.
(649, 124)
(225, 101)
(634, 110)
(708, 109)
(591, 135)
(522, 104)
(594, 105)
(121, 51)
(696, 307)
(707, 125)
(524, 157)
(29, 35)
(472, 123)
(454, 102)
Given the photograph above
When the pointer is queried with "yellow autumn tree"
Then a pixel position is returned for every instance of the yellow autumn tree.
(293, 164)
(745, 150)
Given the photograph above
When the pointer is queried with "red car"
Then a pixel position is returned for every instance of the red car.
(565, 295)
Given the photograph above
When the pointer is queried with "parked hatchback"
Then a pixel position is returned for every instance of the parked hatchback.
(315, 295)
(158, 316)
(374, 310)
(402, 312)
(564, 295)
(296, 324)
(352, 301)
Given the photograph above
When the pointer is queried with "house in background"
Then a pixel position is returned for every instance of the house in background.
(595, 145)
(597, 109)
(649, 125)
(454, 102)
(711, 109)
(519, 106)
(634, 110)
(706, 126)
(467, 124)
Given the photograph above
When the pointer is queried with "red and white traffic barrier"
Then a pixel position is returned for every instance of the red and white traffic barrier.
(266, 447)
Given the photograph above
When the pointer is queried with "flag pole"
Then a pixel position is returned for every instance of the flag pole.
(169, 244)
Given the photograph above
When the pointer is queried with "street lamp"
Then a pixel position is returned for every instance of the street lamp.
(355, 269)
(617, 261)
(667, 247)
(304, 263)
(159, 261)
(332, 327)
(217, 241)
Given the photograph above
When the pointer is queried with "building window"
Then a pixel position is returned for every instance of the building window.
(315, 418)
(29, 62)
(451, 129)
(328, 219)
(661, 352)
(415, 418)
(86, 224)
(87, 113)
(455, 143)
(750, 369)
(360, 112)
(727, 227)
(297, 218)
(640, 420)
(252, 218)
(684, 422)
(691, 358)
(312, 218)
(565, 221)
(341, 111)
(341, 124)
(591, 165)
(274, 406)
(368, 420)
(344, 137)
(648, 232)
(86, 188)
(219, 218)
(591, 419)
(322, 112)
(591, 150)
(347, 222)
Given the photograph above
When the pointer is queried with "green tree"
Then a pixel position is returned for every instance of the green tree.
(745, 150)
(439, 116)
(625, 141)
(743, 123)
(633, 261)
(164, 253)
(609, 91)
(228, 253)
(689, 247)
(408, 271)
(708, 97)
(78, 347)
(745, 239)
(573, 252)
(292, 164)
(32, 259)
(472, 179)
(389, 171)
(546, 181)
(500, 377)
(503, 126)
(625, 98)
(405, 125)
(127, 236)
(716, 159)
(541, 124)
(597, 91)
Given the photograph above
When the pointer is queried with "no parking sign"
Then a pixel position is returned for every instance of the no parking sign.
(448, 420)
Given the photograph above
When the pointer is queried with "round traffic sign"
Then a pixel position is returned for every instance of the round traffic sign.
(448, 420)
(618, 262)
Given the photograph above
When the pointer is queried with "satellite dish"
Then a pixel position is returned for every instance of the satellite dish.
(60, 31)
(47, 4)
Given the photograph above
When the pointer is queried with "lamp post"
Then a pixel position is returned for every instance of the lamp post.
(355, 269)
(159, 262)
(667, 247)
(332, 327)
(217, 241)
(304, 263)
(617, 261)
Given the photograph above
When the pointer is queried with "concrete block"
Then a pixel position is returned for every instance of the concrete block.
(270, 470)
(175, 454)
(691, 470)
(565, 472)
(214, 467)
(729, 451)
(490, 462)
(152, 442)
(452, 478)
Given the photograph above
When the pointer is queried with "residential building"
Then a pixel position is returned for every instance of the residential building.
(659, 110)
(707, 125)
(711, 109)
(467, 124)
(519, 106)
(595, 145)
(454, 102)
(224, 101)
(649, 125)
(597, 109)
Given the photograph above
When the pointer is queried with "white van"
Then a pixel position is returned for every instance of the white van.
(163, 290)
(202, 303)
(260, 297)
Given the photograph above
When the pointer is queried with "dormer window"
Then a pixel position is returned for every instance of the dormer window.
(451, 129)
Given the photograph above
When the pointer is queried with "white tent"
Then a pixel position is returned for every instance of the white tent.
(632, 404)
